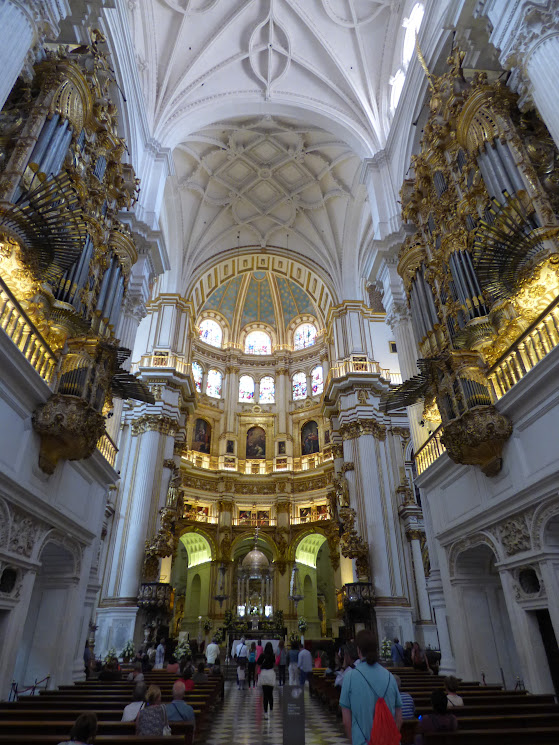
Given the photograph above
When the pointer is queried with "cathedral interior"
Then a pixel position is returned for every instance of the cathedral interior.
(279, 312)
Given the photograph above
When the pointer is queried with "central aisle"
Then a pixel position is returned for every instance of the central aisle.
(240, 721)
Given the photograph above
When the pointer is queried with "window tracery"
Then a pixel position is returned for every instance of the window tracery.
(214, 384)
(299, 386)
(211, 332)
(258, 342)
(198, 375)
(267, 390)
(304, 336)
(246, 388)
(317, 380)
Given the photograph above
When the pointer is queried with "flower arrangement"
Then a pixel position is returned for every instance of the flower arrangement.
(207, 624)
(218, 636)
(111, 654)
(182, 649)
(302, 624)
(385, 648)
(128, 650)
(228, 619)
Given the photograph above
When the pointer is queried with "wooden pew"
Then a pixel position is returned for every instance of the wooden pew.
(61, 728)
(532, 736)
(99, 740)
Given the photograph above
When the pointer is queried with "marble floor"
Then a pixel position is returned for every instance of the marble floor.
(240, 721)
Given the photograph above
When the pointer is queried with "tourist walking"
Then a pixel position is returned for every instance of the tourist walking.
(304, 663)
(281, 661)
(419, 658)
(251, 668)
(160, 655)
(363, 687)
(293, 658)
(267, 678)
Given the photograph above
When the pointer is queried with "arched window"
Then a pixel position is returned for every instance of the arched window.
(246, 388)
(197, 374)
(299, 386)
(267, 390)
(397, 82)
(210, 332)
(317, 381)
(304, 336)
(258, 342)
(411, 25)
(213, 386)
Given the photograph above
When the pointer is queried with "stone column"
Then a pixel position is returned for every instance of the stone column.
(256, 391)
(414, 537)
(527, 34)
(232, 393)
(282, 382)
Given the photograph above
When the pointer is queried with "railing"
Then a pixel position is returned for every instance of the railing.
(107, 448)
(199, 517)
(530, 348)
(429, 451)
(170, 361)
(367, 367)
(260, 467)
(15, 322)
(254, 522)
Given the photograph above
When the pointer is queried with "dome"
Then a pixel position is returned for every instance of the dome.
(255, 561)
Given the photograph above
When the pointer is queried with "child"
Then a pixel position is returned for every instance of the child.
(241, 663)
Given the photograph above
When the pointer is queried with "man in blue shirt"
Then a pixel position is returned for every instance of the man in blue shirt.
(397, 653)
(178, 710)
(362, 687)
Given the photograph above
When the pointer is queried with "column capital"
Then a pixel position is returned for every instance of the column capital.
(358, 427)
(398, 314)
(154, 423)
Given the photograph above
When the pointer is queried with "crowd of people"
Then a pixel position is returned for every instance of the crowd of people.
(355, 669)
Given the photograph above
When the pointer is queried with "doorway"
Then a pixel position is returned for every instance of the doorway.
(550, 644)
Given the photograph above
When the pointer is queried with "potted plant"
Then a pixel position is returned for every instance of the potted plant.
(385, 648)
(111, 655)
(182, 649)
(128, 651)
(207, 625)
(302, 624)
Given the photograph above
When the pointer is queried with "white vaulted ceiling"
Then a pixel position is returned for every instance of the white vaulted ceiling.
(267, 181)
(269, 108)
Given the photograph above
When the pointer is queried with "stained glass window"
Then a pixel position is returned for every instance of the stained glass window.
(317, 381)
(213, 386)
(299, 386)
(267, 390)
(197, 374)
(210, 332)
(246, 388)
(304, 336)
(258, 342)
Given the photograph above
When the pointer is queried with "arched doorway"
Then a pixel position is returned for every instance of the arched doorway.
(316, 574)
(192, 578)
(489, 644)
(50, 611)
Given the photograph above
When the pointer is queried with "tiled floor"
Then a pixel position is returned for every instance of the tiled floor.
(240, 721)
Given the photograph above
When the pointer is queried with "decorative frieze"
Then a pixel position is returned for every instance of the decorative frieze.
(155, 423)
(514, 534)
(356, 428)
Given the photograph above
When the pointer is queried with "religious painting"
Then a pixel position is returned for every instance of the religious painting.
(230, 449)
(245, 517)
(202, 436)
(281, 447)
(256, 443)
(322, 512)
(309, 438)
(327, 437)
(202, 513)
(305, 514)
(263, 517)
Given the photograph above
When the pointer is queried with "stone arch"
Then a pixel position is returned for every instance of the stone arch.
(5, 523)
(264, 537)
(464, 544)
(543, 515)
(292, 553)
(203, 534)
(66, 543)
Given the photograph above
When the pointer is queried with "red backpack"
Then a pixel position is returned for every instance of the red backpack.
(384, 730)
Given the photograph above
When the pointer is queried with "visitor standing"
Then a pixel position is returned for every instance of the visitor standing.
(304, 663)
(397, 653)
(293, 658)
(267, 678)
(251, 668)
(419, 658)
(363, 687)
(212, 652)
(281, 662)
(160, 655)
(259, 650)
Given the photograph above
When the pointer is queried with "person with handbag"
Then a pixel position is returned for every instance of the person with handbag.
(267, 677)
(178, 710)
(152, 720)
